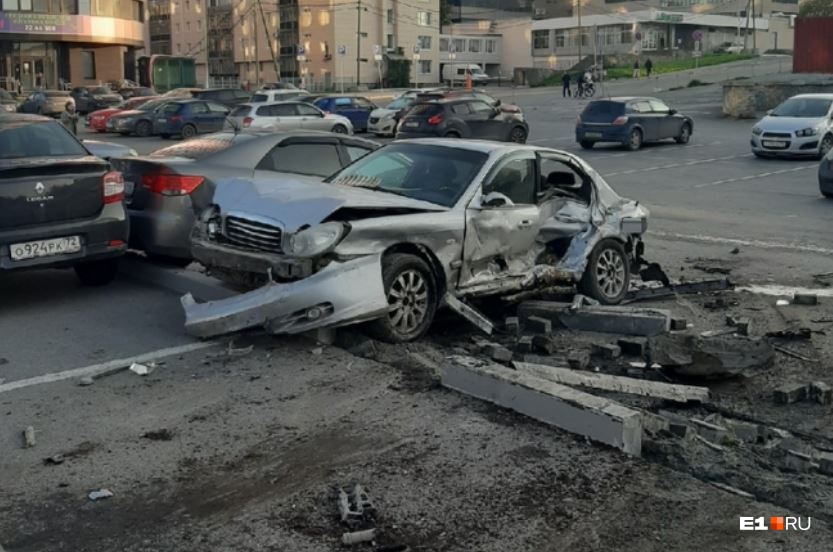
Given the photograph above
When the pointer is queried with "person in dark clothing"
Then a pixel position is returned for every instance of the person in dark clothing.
(649, 66)
(565, 85)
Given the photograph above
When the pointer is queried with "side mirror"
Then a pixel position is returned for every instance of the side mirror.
(495, 199)
(672, 111)
(498, 103)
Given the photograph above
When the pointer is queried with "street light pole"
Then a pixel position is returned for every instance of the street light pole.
(578, 4)
(207, 48)
(358, 43)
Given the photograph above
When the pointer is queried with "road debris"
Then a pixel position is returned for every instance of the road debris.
(807, 299)
(86, 381)
(29, 437)
(54, 460)
(796, 335)
(101, 494)
(781, 303)
(538, 325)
(656, 390)
(358, 537)
(730, 489)
(163, 434)
(632, 347)
(512, 325)
(231, 352)
(790, 393)
(713, 432)
(141, 369)
(318, 351)
(739, 323)
(598, 419)
(603, 319)
(821, 392)
(469, 313)
(500, 353)
(710, 357)
(793, 354)
(355, 508)
(606, 350)
(682, 288)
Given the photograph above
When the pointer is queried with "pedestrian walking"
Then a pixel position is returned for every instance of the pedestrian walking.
(649, 66)
(636, 69)
(565, 85)
(69, 118)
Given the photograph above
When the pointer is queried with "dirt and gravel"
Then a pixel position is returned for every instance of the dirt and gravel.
(218, 452)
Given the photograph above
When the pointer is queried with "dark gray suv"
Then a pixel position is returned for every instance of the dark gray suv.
(61, 206)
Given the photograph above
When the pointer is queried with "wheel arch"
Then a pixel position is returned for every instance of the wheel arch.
(426, 255)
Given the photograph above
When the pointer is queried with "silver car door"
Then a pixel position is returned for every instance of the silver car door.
(313, 118)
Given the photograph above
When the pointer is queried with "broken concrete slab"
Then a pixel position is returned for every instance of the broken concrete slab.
(524, 344)
(500, 353)
(743, 431)
(826, 463)
(559, 361)
(544, 344)
(538, 325)
(679, 324)
(710, 357)
(712, 432)
(821, 392)
(798, 461)
(602, 319)
(654, 424)
(807, 299)
(512, 325)
(29, 440)
(599, 419)
(704, 286)
(606, 350)
(578, 359)
(469, 313)
(739, 323)
(619, 384)
(790, 393)
(632, 347)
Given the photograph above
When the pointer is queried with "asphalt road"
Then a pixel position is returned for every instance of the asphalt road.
(706, 198)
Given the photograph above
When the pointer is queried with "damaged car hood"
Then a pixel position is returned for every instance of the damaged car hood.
(297, 201)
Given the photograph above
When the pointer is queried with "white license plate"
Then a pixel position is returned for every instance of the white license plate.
(774, 144)
(45, 248)
(161, 120)
(592, 134)
(412, 124)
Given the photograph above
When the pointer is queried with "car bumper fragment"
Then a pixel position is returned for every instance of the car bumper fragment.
(341, 293)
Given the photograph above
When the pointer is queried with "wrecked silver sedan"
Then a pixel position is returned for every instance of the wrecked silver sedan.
(408, 228)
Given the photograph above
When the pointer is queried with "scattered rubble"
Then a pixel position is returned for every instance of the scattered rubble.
(711, 432)
(512, 325)
(29, 437)
(793, 354)
(739, 323)
(469, 313)
(632, 347)
(100, 494)
(163, 434)
(807, 299)
(682, 288)
(717, 356)
(603, 319)
(606, 350)
(500, 353)
(816, 391)
(800, 334)
(54, 460)
(821, 392)
(141, 369)
(358, 537)
(537, 324)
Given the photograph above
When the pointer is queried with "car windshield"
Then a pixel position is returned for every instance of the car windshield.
(803, 107)
(260, 98)
(197, 148)
(430, 173)
(39, 139)
(400, 103)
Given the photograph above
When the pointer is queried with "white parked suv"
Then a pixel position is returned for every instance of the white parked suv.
(288, 116)
(801, 126)
(278, 95)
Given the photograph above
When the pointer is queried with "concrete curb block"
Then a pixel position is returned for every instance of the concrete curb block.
(176, 280)
(599, 419)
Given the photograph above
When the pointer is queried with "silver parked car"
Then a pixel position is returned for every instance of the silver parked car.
(411, 226)
(801, 126)
(163, 189)
(283, 116)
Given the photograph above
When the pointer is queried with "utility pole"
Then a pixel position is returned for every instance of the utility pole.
(257, 52)
(754, 29)
(358, 43)
(207, 49)
(271, 43)
(578, 4)
(746, 31)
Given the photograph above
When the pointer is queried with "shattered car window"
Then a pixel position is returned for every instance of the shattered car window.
(429, 173)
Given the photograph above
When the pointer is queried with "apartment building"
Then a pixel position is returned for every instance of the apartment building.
(548, 9)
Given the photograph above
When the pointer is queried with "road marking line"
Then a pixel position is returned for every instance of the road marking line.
(680, 164)
(747, 243)
(104, 367)
(753, 176)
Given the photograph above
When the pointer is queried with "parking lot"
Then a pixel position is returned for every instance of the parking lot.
(245, 470)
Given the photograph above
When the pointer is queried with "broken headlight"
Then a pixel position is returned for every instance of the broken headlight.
(807, 132)
(316, 240)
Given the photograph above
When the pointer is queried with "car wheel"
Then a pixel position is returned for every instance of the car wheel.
(97, 273)
(143, 129)
(825, 146)
(634, 140)
(412, 295)
(452, 134)
(188, 131)
(340, 129)
(518, 135)
(685, 134)
(587, 144)
(608, 275)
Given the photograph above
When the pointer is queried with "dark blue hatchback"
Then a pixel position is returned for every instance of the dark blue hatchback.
(187, 118)
(354, 108)
(631, 122)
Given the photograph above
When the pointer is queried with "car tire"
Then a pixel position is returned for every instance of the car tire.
(634, 140)
(188, 131)
(825, 146)
(452, 134)
(340, 129)
(587, 144)
(143, 129)
(760, 155)
(685, 134)
(97, 273)
(828, 195)
(607, 275)
(412, 294)
(518, 135)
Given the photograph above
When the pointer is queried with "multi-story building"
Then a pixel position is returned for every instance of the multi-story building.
(47, 43)
(548, 9)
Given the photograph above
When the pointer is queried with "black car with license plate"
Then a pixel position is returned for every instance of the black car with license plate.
(466, 117)
(61, 206)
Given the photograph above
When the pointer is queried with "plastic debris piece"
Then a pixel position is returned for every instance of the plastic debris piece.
(29, 437)
(141, 369)
(100, 494)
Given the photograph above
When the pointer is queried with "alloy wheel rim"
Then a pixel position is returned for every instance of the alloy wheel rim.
(635, 139)
(518, 135)
(826, 145)
(408, 300)
(610, 273)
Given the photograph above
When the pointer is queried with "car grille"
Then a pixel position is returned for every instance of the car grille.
(777, 135)
(374, 120)
(252, 234)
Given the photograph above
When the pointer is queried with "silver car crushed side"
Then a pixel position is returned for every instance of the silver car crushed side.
(461, 244)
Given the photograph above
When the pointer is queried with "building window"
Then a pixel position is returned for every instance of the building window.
(199, 24)
(188, 26)
(459, 45)
(88, 65)
(390, 17)
(491, 45)
(540, 40)
(390, 42)
(425, 66)
(425, 42)
(474, 46)
(177, 28)
(178, 48)
(424, 18)
(443, 45)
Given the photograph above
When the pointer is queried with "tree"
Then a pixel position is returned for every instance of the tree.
(445, 13)
(398, 74)
(816, 8)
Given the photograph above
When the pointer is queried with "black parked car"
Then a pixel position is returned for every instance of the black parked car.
(61, 205)
(93, 98)
(137, 121)
(631, 122)
(465, 117)
(826, 176)
(229, 97)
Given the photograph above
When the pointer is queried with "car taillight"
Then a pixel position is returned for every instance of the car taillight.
(171, 184)
(112, 187)
(619, 121)
(435, 119)
(247, 121)
(175, 118)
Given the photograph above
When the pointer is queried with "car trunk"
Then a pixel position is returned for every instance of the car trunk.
(43, 190)
(421, 118)
(602, 112)
(145, 177)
